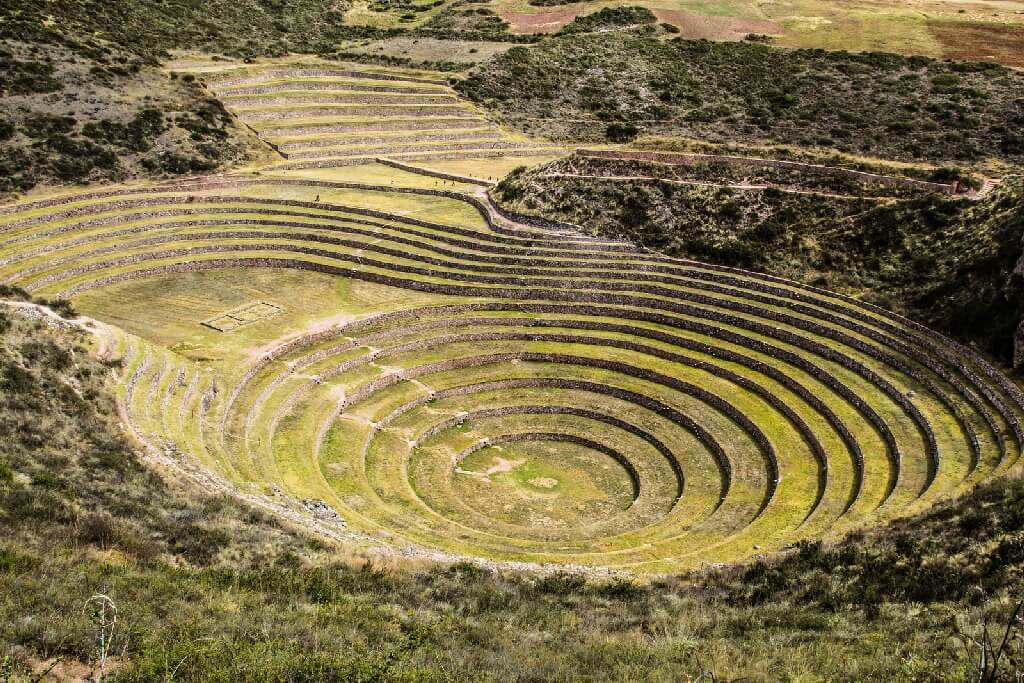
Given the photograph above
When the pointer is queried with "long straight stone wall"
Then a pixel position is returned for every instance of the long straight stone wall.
(688, 159)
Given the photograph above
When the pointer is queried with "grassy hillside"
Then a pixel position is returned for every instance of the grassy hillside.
(946, 262)
(207, 589)
(83, 100)
(152, 27)
(70, 117)
(586, 86)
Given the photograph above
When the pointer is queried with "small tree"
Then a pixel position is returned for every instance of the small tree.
(621, 132)
(991, 652)
(102, 612)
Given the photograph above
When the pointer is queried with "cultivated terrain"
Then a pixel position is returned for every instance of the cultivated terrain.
(397, 340)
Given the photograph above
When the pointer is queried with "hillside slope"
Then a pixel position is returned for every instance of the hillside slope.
(74, 116)
(945, 262)
(573, 87)
(82, 98)
(150, 28)
(208, 589)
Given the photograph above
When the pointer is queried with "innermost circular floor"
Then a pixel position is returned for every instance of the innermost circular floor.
(553, 484)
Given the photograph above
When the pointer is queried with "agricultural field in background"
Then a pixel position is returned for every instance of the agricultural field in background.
(962, 30)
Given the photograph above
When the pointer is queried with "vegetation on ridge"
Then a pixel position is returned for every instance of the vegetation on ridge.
(260, 360)
(71, 118)
(571, 87)
(150, 28)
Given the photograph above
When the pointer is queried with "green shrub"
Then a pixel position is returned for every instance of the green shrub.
(19, 77)
(561, 583)
(16, 379)
(610, 17)
(61, 307)
(621, 132)
(569, 87)
(43, 125)
(138, 135)
(98, 529)
(620, 589)
(945, 81)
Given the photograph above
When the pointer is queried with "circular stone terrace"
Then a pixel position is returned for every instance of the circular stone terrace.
(515, 392)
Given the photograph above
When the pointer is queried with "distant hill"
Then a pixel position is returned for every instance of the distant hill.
(83, 99)
(152, 27)
(586, 86)
(70, 116)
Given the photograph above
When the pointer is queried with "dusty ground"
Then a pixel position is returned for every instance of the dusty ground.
(544, 21)
(696, 25)
(431, 49)
(1002, 43)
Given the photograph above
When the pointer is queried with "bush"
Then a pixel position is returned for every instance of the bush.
(138, 135)
(61, 307)
(13, 292)
(98, 529)
(621, 132)
(610, 17)
(26, 77)
(17, 380)
(577, 83)
(560, 583)
(42, 125)
(620, 589)
(945, 81)
(174, 163)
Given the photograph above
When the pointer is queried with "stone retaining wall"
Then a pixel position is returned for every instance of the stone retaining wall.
(965, 368)
(558, 295)
(355, 110)
(534, 221)
(448, 322)
(687, 159)
(634, 476)
(937, 368)
(380, 125)
(249, 103)
(490, 134)
(229, 92)
(315, 72)
(425, 156)
(593, 415)
(433, 174)
(387, 150)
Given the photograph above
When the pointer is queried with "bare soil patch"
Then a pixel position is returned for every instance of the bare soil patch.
(1003, 43)
(548, 21)
(696, 25)
(432, 49)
